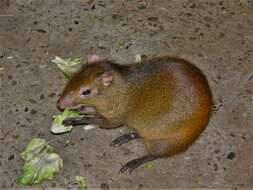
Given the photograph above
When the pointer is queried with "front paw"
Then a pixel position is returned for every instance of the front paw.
(124, 139)
(86, 110)
(75, 121)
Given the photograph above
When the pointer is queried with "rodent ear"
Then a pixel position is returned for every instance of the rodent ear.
(106, 78)
(93, 58)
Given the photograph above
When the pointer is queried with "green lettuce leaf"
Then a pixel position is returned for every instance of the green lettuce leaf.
(68, 66)
(58, 127)
(81, 181)
(34, 148)
(40, 162)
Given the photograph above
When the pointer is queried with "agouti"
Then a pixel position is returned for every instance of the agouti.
(165, 100)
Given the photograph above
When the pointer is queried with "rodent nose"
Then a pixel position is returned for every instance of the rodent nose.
(64, 102)
(60, 104)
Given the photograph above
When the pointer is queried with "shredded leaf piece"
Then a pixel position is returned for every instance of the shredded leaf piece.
(41, 162)
(58, 127)
(81, 181)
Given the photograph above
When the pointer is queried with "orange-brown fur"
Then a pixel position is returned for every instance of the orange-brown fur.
(166, 100)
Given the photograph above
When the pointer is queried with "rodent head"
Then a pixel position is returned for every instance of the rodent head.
(88, 86)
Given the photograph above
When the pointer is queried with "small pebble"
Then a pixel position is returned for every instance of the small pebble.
(231, 156)
(11, 157)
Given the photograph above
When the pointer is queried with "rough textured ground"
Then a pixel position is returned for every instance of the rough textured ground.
(216, 35)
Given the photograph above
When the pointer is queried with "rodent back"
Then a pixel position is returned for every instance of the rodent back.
(169, 93)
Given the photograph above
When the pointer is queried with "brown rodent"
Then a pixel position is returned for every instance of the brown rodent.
(166, 100)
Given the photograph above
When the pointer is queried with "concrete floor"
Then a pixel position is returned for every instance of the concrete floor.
(215, 35)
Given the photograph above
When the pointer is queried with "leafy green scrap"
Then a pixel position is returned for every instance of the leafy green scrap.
(41, 162)
(68, 66)
(58, 127)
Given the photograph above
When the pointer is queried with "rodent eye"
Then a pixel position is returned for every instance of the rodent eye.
(86, 92)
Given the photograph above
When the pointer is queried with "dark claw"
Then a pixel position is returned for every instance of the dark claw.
(130, 166)
(133, 164)
(84, 110)
(75, 121)
(124, 139)
(68, 121)
(96, 119)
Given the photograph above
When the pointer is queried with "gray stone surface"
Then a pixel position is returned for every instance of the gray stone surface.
(215, 35)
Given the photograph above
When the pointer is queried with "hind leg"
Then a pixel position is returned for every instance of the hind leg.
(165, 147)
(156, 149)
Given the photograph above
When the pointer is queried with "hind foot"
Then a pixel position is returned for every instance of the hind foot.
(133, 164)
